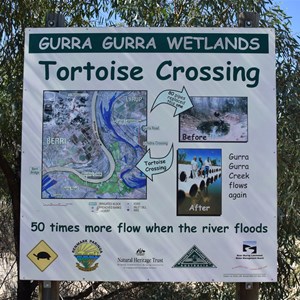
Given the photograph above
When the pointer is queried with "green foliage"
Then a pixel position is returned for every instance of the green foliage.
(15, 16)
(288, 91)
(213, 13)
(185, 13)
(181, 157)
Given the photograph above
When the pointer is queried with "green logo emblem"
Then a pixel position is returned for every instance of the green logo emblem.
(86, 254)
(194, 258)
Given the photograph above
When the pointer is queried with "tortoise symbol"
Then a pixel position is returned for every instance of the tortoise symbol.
(42, 255)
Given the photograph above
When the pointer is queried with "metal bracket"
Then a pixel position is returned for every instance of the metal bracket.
(55, 20)
(249, 285)
(249, 19)
(47, 284)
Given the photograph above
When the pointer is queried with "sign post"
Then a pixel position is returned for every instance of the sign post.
(248, 290)
(49, 290)
(149, 154)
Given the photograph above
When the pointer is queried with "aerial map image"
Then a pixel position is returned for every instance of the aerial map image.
(92, 142)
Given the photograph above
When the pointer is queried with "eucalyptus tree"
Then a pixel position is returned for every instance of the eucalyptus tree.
(15, 16)
(212, 13)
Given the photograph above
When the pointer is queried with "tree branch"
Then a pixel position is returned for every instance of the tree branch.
(124, 289)
(86, 292)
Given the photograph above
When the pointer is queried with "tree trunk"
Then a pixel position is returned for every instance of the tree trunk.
(24, 288)
(247, 294)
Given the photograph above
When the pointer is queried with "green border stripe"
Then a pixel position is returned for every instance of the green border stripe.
(196, 42)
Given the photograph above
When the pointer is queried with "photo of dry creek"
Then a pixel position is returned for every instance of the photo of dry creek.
(215, 119)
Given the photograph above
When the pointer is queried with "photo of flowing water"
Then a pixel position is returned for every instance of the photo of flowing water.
(199, 191)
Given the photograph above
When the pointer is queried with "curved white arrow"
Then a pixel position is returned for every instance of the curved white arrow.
(151, 166)
(180, 100)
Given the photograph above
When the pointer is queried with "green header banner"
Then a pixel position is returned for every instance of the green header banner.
(148, 43)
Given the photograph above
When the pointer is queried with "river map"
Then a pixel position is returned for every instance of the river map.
(92, 142)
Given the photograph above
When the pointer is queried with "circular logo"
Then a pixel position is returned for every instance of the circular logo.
(86, 254)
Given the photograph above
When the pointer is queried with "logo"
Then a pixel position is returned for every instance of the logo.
(42, 256)
(140, 252)
(249, 259)
(249, 247)
(139, 260)
(87, 252)
(194, 258)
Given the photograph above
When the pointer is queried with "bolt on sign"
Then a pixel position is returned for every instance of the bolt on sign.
(149, 154)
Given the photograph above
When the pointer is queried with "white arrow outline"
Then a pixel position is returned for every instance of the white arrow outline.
(148, 154)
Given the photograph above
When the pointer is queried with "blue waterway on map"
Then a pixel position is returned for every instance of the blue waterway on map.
(47, 183)
(131, 177)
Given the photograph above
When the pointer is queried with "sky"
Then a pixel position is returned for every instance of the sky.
(292, 9)
(213, 154)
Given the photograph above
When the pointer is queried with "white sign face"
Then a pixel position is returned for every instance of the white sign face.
(149, 154)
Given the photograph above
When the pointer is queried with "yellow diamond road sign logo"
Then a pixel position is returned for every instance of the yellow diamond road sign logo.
(42, 255)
